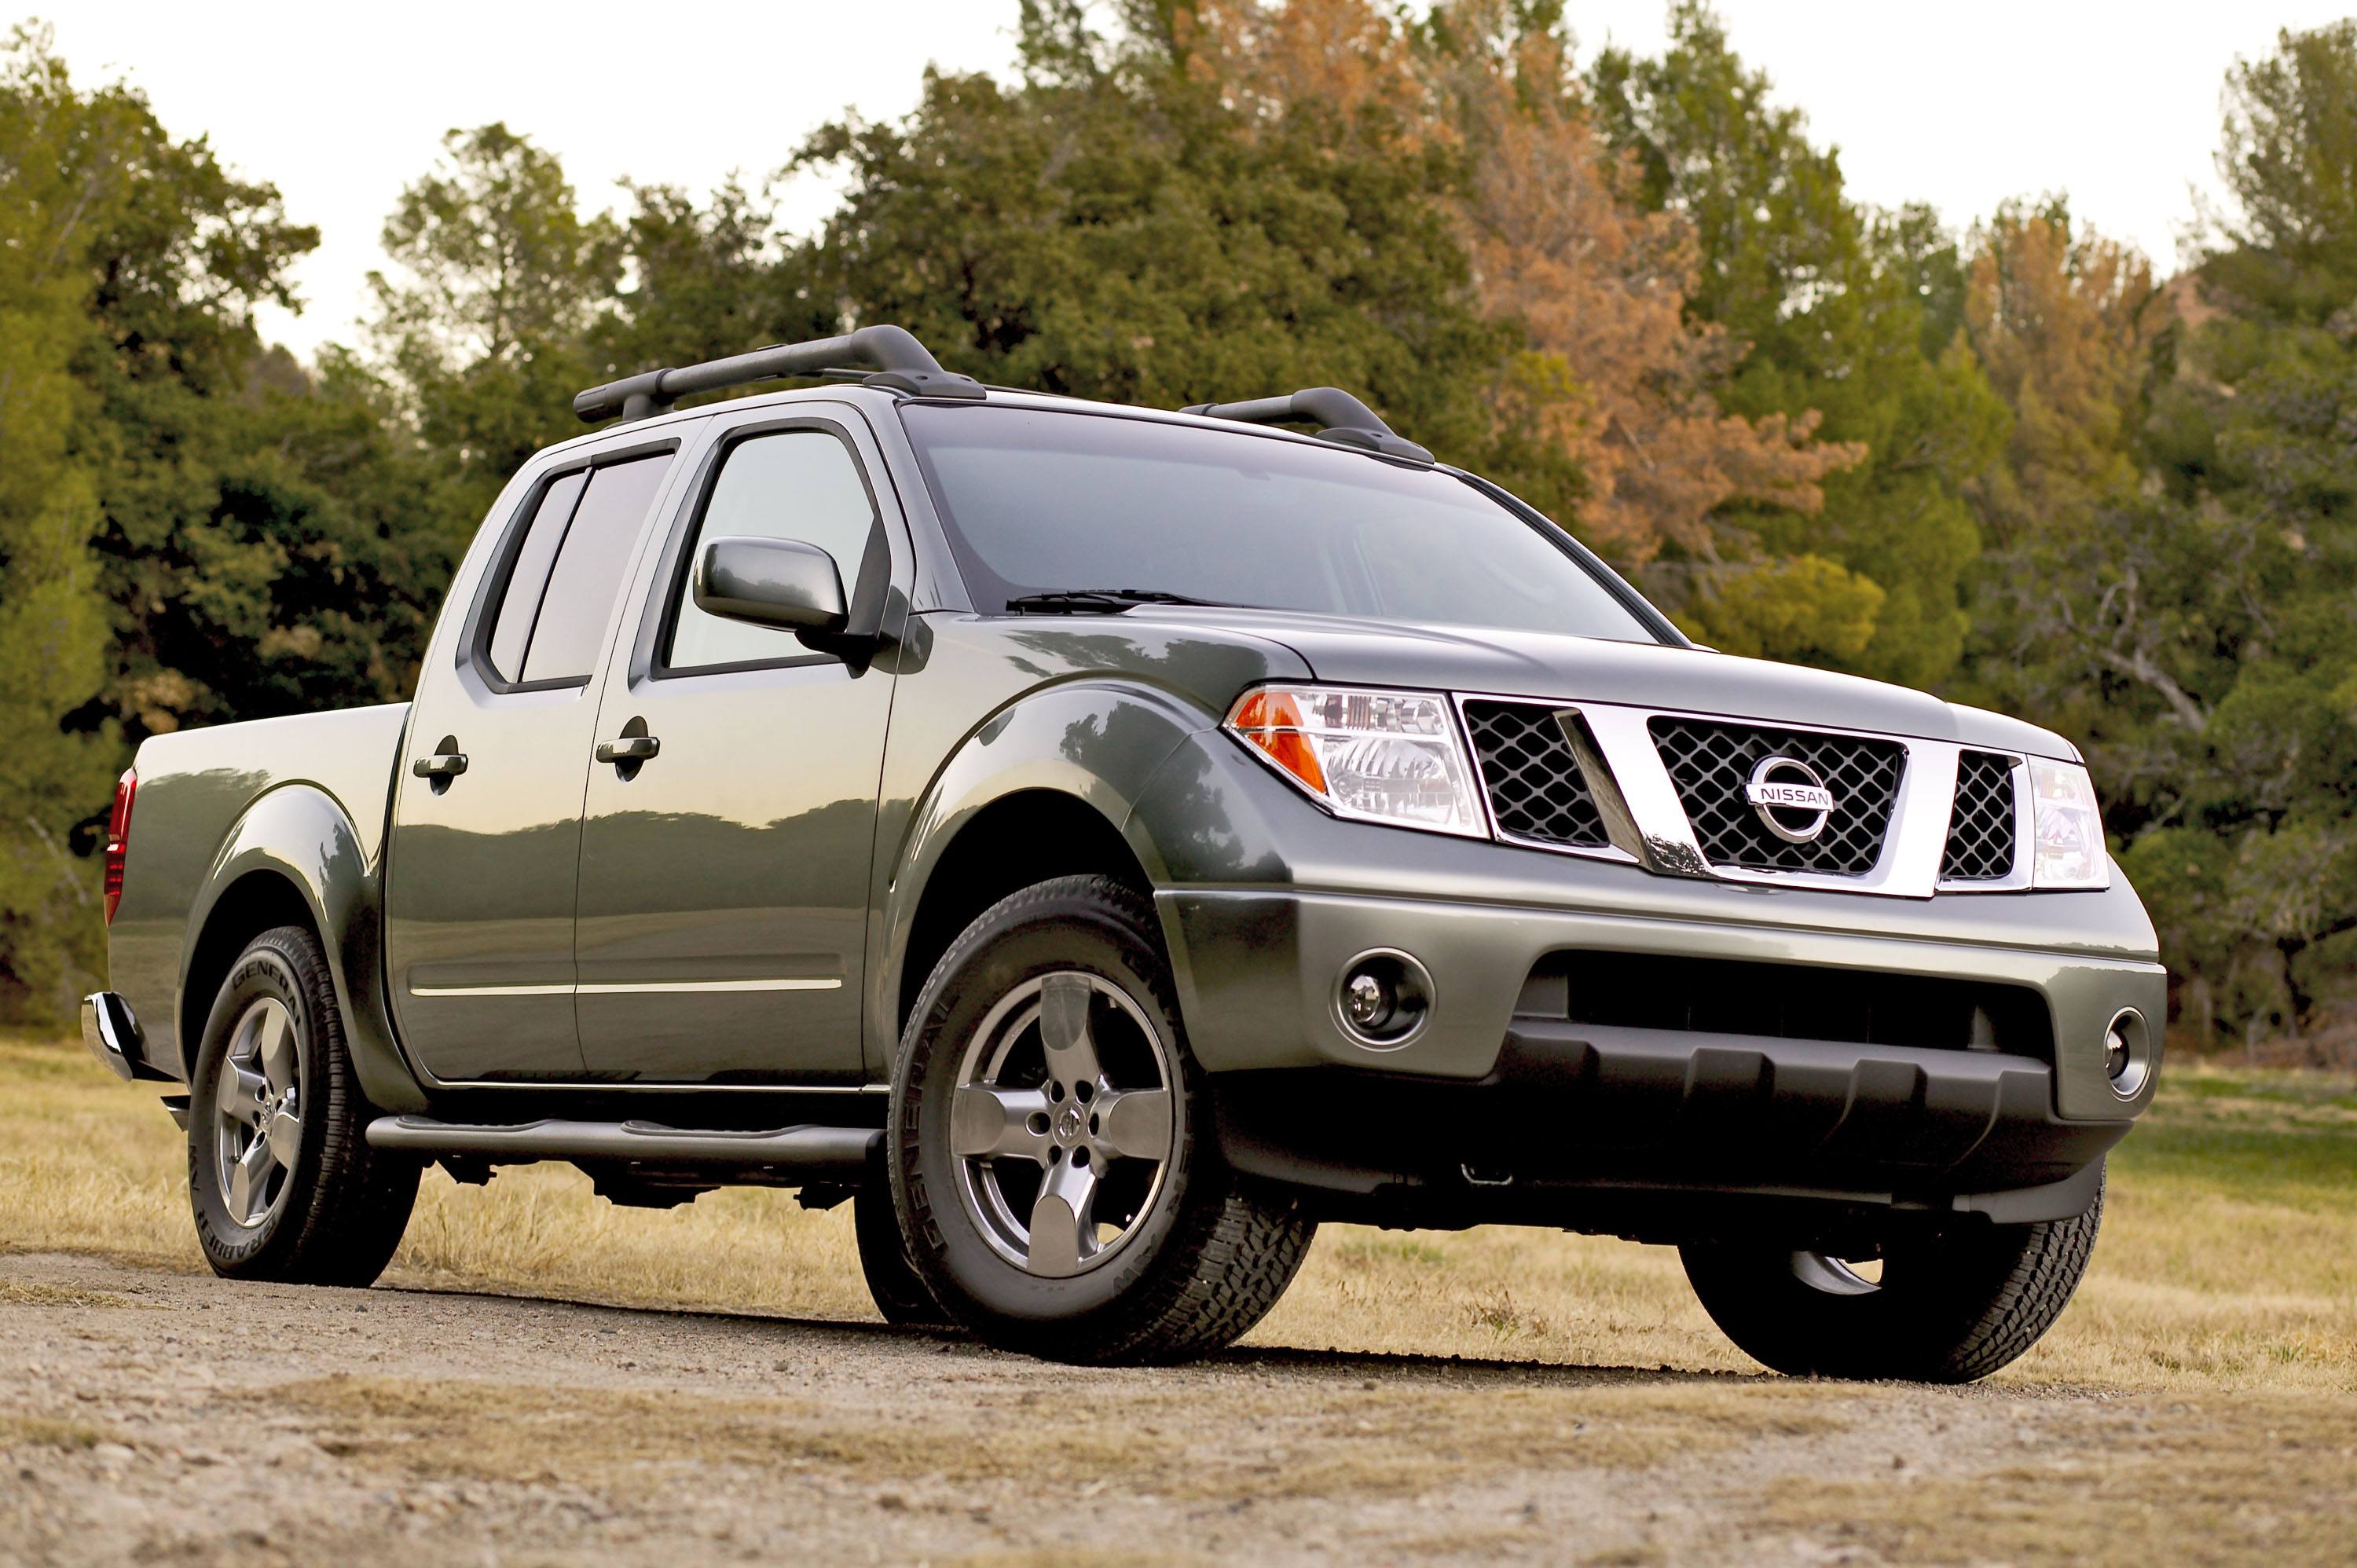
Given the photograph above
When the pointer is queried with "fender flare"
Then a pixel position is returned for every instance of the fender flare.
(1099, 741)
(299, 834)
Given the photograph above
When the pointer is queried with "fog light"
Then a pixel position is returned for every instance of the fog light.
(1369, 1004)
(2127, 1053)
(1383, 998)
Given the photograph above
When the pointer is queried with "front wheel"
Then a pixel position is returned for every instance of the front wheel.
(1945, 1308)
(281, 1176)
(1050, 1157)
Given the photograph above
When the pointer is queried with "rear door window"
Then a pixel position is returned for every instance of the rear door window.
(568, 570)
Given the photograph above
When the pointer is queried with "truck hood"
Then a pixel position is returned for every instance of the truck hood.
(1569, 669)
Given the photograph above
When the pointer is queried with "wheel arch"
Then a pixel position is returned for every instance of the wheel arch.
(1046, 787)
(296, 858)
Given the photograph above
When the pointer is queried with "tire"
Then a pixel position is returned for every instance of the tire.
(281, 1176)
(1043, 1095)
(900, 1294)
(1949, 1308)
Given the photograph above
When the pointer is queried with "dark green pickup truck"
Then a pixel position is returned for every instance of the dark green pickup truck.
(1099, 843)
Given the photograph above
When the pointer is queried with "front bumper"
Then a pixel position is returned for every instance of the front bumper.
(1568, 1108)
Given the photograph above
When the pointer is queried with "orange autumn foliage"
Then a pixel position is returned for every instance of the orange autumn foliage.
(2063, 327)
(1613, 372)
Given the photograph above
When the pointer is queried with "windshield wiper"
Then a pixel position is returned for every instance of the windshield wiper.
(1086, 601)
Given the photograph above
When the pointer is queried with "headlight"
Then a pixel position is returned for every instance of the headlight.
(2069, 830)
(1375, 756)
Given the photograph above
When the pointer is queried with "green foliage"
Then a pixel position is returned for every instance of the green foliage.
(1844, 312)
(485, 331)
(1111, 227)
(61, 180)
(1803, 609)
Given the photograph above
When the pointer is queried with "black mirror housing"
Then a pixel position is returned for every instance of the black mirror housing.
(770, 582)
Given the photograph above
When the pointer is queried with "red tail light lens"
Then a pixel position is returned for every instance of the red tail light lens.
(118, 838)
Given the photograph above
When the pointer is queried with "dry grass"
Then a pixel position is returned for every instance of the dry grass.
(2229, 1257)
(47, 1432)
(2241, 1479)
(1225, 1438)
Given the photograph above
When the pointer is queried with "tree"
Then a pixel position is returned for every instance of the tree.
(484, 333)
(1835, 306)
(2174, 574)
(61, 172)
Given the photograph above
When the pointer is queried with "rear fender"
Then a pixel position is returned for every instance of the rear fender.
(299, 834)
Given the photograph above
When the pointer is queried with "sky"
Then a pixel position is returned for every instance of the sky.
(2114, 105)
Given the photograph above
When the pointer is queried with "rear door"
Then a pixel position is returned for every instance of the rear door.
(485, 840)
(724, 880)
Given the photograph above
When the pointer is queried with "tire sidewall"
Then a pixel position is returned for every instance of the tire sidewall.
(271, 967)
(1066, 925)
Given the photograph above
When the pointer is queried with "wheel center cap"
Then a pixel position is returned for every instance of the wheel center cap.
(1069, 1122)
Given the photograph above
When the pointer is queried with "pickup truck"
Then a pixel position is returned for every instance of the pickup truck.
(1099, 843)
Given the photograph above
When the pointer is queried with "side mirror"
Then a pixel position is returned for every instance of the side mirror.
(771, 582)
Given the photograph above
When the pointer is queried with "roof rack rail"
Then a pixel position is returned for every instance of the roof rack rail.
(1347, 422)
(902, 365)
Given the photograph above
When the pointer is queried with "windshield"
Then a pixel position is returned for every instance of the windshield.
(1045, 502)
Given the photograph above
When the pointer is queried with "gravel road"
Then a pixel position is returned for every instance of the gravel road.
(150, 1416)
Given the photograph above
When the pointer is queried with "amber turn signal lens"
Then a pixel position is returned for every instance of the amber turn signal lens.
(1272, 721)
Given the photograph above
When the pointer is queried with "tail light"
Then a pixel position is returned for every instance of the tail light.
(118, 837)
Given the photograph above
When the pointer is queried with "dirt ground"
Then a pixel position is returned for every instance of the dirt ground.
(151, 1415)
(543, 1378)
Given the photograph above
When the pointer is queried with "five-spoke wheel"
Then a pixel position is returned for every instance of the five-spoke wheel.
(1063, 1123)
(257, 1111)
(1053, 1188)
(281, 1176)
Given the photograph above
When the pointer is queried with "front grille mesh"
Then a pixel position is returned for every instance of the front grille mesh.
(1709, 764)
(1980, 827)
(1535, 788)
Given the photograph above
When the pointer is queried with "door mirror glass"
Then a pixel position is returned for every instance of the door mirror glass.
(770, 582)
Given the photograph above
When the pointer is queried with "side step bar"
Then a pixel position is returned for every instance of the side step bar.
(816, 1154)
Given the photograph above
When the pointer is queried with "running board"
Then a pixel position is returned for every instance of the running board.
(813, 1154)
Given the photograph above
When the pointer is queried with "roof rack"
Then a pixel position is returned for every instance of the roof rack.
(902, 365)
(1347, 422)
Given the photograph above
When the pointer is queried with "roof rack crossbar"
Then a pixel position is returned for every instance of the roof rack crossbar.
(902, 364)
(1347, 420)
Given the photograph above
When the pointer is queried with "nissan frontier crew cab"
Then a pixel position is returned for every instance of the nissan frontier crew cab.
(1100, 843)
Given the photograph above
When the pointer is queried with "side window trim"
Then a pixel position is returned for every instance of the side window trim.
(671, 577)
(482, 616)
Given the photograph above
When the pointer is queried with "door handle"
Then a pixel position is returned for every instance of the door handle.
(441, 765)
(629, 749)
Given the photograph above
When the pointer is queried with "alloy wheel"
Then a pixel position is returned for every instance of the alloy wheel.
(257, 1111)
(1064, 1123)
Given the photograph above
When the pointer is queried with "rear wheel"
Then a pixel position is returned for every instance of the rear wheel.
(899, 1294)
(281, 1176)
(1049, 1147)
(1940, 1309)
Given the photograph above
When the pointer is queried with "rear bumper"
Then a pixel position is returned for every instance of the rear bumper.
(1672, 1135)
(112, 1032)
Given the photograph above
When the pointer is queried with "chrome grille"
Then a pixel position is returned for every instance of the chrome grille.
(1536, 790)
(1709, 763)
(1981, 826)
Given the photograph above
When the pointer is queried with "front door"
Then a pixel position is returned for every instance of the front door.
(482, 873)
(724, 879)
